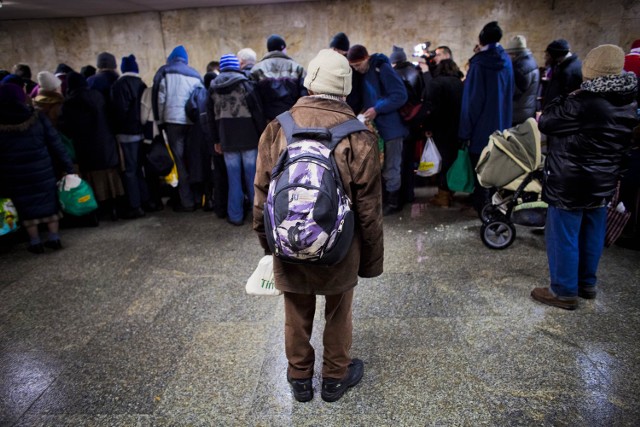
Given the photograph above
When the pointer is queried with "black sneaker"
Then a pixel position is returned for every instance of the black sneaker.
(333, 389)
(302, 389)
(38, 248)
(53, 244)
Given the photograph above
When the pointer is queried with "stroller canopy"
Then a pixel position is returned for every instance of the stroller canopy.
(510, 155)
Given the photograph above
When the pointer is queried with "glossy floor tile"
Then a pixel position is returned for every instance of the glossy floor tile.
(146, 323)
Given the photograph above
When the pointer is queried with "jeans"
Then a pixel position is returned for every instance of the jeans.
(177, 136)
(575, 240)
(133, 178)
(240, 164)
(392, 164)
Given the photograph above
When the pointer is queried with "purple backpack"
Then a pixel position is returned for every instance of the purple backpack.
(307, 215)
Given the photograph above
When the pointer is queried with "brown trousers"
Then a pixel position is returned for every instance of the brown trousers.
(299, 310)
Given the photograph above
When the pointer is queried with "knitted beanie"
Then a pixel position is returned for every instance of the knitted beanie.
(229, 62)
(397, 55)
(275, 42)
(178, 52)
(129, 64)
(357, 52)
(329, 73)
(62, 69)
(340, 41)
(48, 81)
(75, 81)
(558, 48)
(516, 44)
(603, 60)
(491, 33)
(106, 61)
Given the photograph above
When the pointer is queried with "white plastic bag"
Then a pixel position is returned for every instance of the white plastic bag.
(430, 161)
(261, 281)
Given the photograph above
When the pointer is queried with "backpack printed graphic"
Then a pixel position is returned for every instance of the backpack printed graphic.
(307, 215)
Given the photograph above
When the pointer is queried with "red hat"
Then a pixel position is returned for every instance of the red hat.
(635, 44)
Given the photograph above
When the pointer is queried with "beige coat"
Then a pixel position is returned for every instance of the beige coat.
(358, 161)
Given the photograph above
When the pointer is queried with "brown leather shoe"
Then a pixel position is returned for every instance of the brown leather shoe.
(442, 199)
(545, 296)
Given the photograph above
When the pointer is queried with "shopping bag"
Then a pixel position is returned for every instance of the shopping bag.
(159, 158)
(617, 218)
(430, 161)
(76, 196)
(172, 177)
(261, 281)
(460, 175)
(8, 217)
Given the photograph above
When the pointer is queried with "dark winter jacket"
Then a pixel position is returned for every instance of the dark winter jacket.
(444, 102)
(84, 120)
(102, 82)
(383, 90)
(280, 83)
(235, 112)
(527, 79)
(199, 148)
(126, 94)
(565, 78)
(589, 134)
(27, 175)
(487, 99)
(412, 78)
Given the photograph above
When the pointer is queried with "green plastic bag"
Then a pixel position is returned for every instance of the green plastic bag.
(8, 217)
(460, 175)
(76, 196)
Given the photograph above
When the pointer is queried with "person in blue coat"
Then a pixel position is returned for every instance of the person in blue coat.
(487, 99)
(383, 93)
(28, 141)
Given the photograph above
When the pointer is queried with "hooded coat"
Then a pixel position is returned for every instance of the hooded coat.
(487, 98)
(383, 89)
(172, 87)
(527, 79)
(357, 159)
(235, 111)
(589, 135)
(27, 174)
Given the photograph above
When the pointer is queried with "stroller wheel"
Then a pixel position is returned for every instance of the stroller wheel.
(490, 212)
(497, 233)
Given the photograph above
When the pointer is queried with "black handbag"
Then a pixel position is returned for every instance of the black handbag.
(159, 161)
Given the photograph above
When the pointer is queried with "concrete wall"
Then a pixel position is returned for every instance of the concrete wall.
(308, 26)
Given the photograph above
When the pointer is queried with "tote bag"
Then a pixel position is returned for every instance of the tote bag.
(261, 281)
(430, 161)
(460, 175)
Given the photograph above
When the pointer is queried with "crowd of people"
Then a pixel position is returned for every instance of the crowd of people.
(225, 136)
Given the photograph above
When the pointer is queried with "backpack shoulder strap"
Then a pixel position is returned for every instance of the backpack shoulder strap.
(288, 125)
(341, 131)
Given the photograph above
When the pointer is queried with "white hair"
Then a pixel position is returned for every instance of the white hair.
(247, 55)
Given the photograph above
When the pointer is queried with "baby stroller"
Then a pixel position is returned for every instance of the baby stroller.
(512, 163)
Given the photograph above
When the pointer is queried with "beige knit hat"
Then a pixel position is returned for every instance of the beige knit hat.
(329, 73)
(603, 60)
(516, 44)
(48, 81)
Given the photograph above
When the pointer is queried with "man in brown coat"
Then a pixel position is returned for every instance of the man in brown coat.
(328, 82)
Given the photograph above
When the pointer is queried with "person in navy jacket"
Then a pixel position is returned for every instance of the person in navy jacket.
(383, 93)
(487, 99)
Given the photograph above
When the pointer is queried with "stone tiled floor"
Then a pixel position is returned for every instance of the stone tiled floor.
(146, 323)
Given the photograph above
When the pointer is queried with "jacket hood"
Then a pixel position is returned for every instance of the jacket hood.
(17, 120)
(619, 88)
(276, 54)
(227, 78)
(493, 58)
(377, 59)
(525, 62)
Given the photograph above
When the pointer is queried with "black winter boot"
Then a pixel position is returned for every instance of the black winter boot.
(392, 205)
